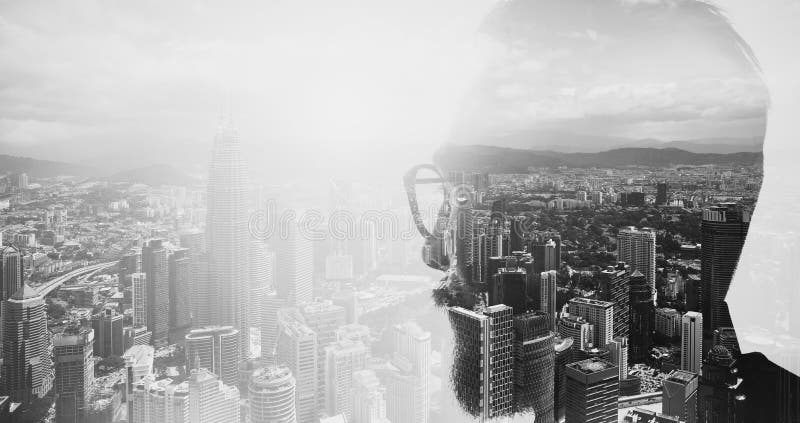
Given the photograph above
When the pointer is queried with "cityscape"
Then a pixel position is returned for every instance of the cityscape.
(369, 211)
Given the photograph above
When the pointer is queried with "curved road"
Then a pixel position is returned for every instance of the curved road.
(48, 287)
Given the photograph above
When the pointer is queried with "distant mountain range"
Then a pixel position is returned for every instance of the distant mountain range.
(511, 160)
(154, 175)
(566, 142)
(43, 168)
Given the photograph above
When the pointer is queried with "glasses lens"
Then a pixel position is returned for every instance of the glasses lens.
(427, 191)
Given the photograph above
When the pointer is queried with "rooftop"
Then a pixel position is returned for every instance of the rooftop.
(591, 365)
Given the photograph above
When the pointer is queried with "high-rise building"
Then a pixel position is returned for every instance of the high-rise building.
(577, 329)
(227, 235)
(483, 372)
(204, 312)
(27, 368)
(156, 401)
(129, 264)
(680, 395)
(618, 347)
(724, 228)
(509, 287)
(139, 298)
(407, 386)
(108, 333)
(642, 318)
(272, 394)
(11, 277)
(661, 193)
(210, 400)
(599, 314)
(295, 269)
(180, 289)
(215, 348)
(668, 322)
(546, 255)
(718, 399)
(369, 404)
(297, 349)
(691, 341)
(592, 391)
(614, 284)
(342, 359)
(563, 356)
(637, 248)
(324, 318)
(74, 373)
(269, 324)
(726, 337)
(534, 362)
(547, 296)
(136, 335)
(154, 265)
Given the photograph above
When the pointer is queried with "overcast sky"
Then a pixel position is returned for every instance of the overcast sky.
(353, 81)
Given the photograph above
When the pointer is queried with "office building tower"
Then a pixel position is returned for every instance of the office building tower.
(136, 335)
(668, 322)
(11, 276)
(324, 318)
(247, 368)
(215, 348)
(563, 356)
(693, 292)
(194, 240)
(210, 400)
(726, 337)
(680, 395)
(269, 325)
(156, 401)
(509, 287)
(692, 341)
(483, 360)
(295, 269)
(27, 368)
(342, 359)
(534, 366)
(297, 349)
(614, 284)
(592, 390)
(546, 255)
(155, 266)
(369, 403)
(642, 318)
(347, 298)
(180, 289)
(139, 298)
(462, 235)
(407, 386)
(717, 394)
(74, 373)
(227, 235)
(661, 193)
(547, 296)
(129, 264)
(599, 314)
(108, 333)
(262, 265)
(204, 308)
(618, 349)
(724, 228)
(355, 332)
(637, 248)
(272, 394)
(578, 329)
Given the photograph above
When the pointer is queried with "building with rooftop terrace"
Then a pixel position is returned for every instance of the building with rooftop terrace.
(592, 391)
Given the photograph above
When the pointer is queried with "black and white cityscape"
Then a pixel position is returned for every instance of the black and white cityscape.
(330, 213)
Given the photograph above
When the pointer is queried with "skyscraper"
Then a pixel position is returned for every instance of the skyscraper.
(272, 394)
(509, 287)
(691, 341)
(27, 368)
(11, 276)
(724, 229)
(297, 349)
(342, 359)
(215, 348)
(155, 266)
(210, 400)
(139, 298)
(680, 395)
(369, 404)
(407, 386)
(180, 289)
(483, 360)
(547, 296)
(592, 390)
(324, 318)
(614, 284)
(108, 333)
(295, 269)
(577, 329)
(563, 356)
(534, 362)
(546, 255)
(637, 248)
(642, 317)
(618, 347)
(661, 193)
(156, 401)
(716, 392)
(269, 324)
(74, 373)
(226, 235)
(599, 314)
